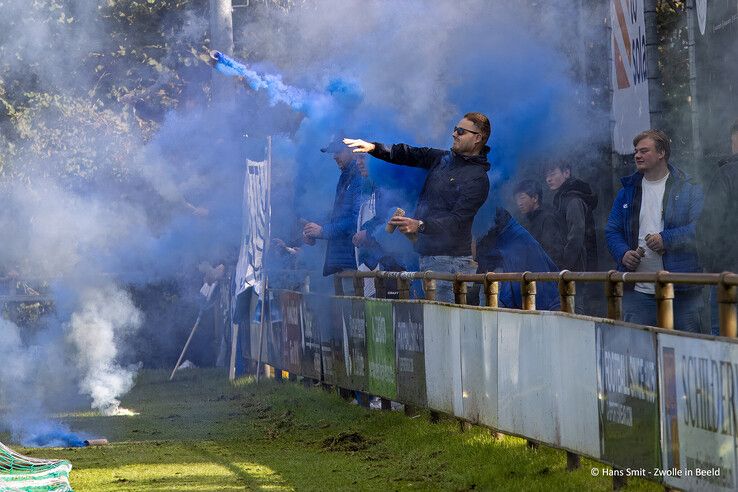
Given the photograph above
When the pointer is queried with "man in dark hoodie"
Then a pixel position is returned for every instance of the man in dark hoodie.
(719, 219)
(455, 188)
(575, 201)
(545, 224)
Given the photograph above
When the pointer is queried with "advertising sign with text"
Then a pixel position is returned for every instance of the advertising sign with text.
(629, 405)
(699, 390)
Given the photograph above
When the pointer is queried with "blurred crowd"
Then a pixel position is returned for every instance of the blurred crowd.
(661, 219)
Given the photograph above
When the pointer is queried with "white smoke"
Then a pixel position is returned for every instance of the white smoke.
(106, 315)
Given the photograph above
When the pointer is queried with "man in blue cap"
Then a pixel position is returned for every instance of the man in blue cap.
(342, 223)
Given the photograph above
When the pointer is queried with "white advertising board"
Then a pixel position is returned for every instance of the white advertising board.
(699, 388)
(479, 366)
(547, 387)
(443, 359)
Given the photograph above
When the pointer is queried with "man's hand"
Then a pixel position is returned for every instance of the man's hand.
(406, 225)
(655, 243)
(359, 146)
(359, 238)
(631, 260)
(312, 230)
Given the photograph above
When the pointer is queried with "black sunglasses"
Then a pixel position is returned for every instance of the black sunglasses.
(460, 131)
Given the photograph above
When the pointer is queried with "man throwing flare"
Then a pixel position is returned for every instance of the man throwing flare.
(455, 188)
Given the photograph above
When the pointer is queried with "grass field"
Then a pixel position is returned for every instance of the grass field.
(202, 433)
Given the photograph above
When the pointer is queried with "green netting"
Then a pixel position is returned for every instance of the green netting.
(18, 472)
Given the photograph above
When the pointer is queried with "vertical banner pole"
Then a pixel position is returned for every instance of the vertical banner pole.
(264, 303)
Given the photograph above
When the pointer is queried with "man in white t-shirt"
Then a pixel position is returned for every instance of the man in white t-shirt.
(651, 227)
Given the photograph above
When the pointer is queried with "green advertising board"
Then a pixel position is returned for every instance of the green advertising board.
(380, 347)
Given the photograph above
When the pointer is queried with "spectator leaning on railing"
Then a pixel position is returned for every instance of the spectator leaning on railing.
(651, 227)
(455, 188)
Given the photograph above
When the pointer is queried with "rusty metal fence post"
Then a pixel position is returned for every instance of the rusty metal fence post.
(614, 293)
(338, 285)
(403, 287)
(727, 296)
(664, 303)
(528, 288)
(358, 286)
(567, 292)
(379, 286)
(491, 291)
(528, 291)
(429, 287)
(429, 290)
(460, 290)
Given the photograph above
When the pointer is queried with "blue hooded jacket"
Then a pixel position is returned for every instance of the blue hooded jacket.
(682, 206)
(340, 229)
(508, 247)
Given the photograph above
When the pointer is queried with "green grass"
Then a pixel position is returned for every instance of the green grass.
(201, 433)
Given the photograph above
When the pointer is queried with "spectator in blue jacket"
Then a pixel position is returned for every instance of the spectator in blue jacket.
(342, 224)
(508, 247)
(651, 227)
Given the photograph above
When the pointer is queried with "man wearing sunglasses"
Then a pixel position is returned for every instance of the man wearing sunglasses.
(455, 188)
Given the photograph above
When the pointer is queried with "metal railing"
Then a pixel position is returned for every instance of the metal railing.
(20, 291)
(613, 283)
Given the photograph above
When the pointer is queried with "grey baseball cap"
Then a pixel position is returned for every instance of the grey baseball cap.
(336, 145)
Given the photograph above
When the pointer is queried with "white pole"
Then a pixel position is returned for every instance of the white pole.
(267, 240)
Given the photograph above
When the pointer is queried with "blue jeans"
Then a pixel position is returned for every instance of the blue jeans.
(714, 312)
(447, 264)
(641, 309)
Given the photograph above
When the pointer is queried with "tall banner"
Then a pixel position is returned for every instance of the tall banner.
(410, 344)
(331, 337)
(353, 325)
(628, 389)
(313, 309)
(699, 388)
(256, 215)
(380, 348)
(630, 107)
(274, 335)
(290, 305)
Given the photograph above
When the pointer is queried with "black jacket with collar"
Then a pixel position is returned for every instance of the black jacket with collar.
(719, 221)
(575, 201)
(455, 188)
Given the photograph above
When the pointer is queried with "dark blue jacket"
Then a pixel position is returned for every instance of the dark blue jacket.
(340, 229)
(455, 187)
(683, 200)
(508, 247)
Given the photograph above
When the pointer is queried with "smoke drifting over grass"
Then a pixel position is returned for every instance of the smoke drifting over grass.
(150, 205)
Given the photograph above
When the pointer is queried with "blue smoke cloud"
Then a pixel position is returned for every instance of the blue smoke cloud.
(411, 81)
(384, 71)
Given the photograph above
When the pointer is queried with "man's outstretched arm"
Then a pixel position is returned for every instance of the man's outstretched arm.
(406, 155)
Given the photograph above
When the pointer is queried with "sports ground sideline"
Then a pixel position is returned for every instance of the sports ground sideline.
(202, 433)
